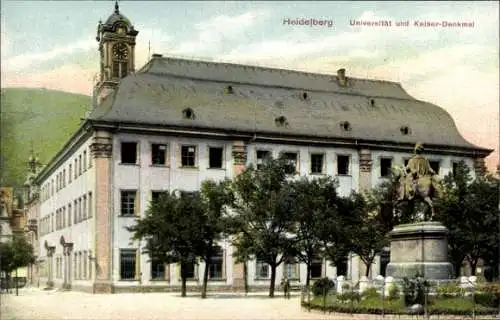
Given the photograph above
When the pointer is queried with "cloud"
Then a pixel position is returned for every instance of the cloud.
(26, 60)
(212, 33)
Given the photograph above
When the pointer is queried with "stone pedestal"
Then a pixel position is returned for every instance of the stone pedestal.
(420, 248)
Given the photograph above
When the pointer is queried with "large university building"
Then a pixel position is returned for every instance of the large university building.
(174, 123)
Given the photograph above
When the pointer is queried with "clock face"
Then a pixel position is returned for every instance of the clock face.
(120, 51)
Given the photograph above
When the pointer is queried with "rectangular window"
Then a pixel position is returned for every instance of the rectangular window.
(85, 258)
(262, 269)
(215, 157)
(155, 195)
(90, 264)
(188, 155)
(64, 178)
(80, 210)
(454, 168)
(64, 217)
(84, 208)
(342, 165)
(316, 268)
(75, 212)
(116, 69)
(157, 270)
(85, 160)
(262, 156)
(291, 270)
(435, 165)
(80, 165)
(76, 168)
(191, 271)
(90, 159)
(69, 214)
(317, 163)
(90, 205)
(53, 222)
(215, 270)
(123, 69)
(385, 167)
(159, 154)
(128, 203)
(128, 264)
(292, 158)
(129, 152)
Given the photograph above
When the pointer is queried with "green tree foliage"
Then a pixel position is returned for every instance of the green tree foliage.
(469, 209)
(216, 197)
(314, 201)
(171, 228)
(369, 233)
(264, 217)
(16, 253)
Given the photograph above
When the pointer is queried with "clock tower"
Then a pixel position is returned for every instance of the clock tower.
(116, 38)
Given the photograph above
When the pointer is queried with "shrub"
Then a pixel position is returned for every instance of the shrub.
(394, 292)
(322, 286)
(447, 290)
(349, 296)
(414, 291)
(486, 299)
(370, 293)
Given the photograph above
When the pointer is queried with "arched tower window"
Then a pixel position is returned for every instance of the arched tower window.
(120, 53)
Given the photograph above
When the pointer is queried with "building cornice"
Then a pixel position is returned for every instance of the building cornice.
(264, 137)
(75, 141)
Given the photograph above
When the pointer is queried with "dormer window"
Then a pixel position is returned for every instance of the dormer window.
(405, 130)
(188, 113)
(346, 126)
(281, 121)
(229, 90)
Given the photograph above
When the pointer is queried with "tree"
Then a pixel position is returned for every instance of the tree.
(369, 234)
(263, 222)
(216, 197)
(469, 209)
(16, 254)
(172, 227)
(315, 201)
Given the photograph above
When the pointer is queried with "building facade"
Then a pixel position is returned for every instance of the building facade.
(175, 123)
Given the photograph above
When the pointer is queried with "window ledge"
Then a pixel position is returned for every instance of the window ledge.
(189, 279)
(189, 168)
(159, 280)
(128, 216)
(128, 280)
(129, 164)
(217, 280)
(262, 279)
(215, 168)
(344, 175)
(159, 165)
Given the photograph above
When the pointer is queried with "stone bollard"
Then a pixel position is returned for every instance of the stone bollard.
(389, 282)
(340, 284)
(364, 284)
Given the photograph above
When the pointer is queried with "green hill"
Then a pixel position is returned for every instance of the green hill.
(45, 118)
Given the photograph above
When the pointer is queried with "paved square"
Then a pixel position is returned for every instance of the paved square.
(49, 305)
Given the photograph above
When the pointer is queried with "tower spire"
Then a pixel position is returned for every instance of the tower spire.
(117, 8)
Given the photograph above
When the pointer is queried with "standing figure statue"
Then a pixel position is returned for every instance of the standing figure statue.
(418, 181)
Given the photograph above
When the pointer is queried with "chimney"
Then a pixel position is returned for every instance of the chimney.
(341, 77)
(157, 55)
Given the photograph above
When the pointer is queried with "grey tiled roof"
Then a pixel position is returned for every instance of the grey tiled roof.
(160, 91)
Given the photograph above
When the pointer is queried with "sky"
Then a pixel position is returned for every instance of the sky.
(51, 44)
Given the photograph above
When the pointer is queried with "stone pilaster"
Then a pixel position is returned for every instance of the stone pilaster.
(102, 150)
(239, 161)
(365, 169)
(479, 167)
(50, 257)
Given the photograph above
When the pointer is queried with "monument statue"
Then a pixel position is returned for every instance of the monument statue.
(417, 181)
(418, 247)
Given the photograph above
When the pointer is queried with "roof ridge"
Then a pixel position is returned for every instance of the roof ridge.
(263, 68)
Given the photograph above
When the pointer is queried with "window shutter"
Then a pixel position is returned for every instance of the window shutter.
(137, 205)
